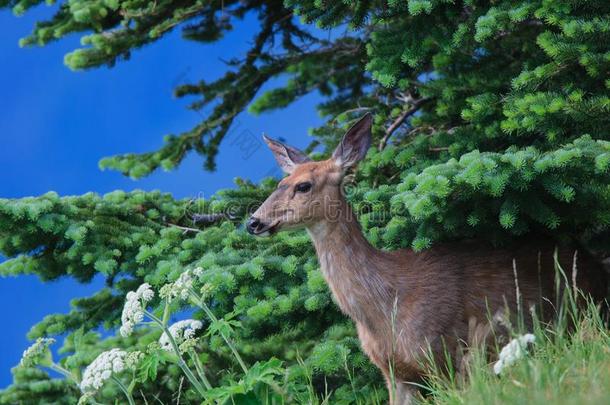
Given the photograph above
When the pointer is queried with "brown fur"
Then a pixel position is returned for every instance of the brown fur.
(406, 303)
(435, 296)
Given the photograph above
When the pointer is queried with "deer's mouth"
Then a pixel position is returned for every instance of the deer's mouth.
(266, 230)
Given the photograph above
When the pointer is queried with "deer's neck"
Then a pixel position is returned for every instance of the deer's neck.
(355, 271)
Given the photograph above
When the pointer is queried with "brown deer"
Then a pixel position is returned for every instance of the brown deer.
(405, 304)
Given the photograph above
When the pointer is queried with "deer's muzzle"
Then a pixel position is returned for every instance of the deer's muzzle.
(258, 228)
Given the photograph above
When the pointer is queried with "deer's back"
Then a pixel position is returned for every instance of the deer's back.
(528, 268)
(481, 279)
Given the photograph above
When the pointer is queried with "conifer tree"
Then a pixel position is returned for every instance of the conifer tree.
(491, 121)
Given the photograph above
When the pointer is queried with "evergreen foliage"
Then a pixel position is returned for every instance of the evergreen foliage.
(491, 121)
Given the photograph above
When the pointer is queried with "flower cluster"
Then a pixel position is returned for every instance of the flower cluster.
(181, 288)
(86, 398)
(198, 272)
(102, 368)
(133, 311)
(180, 331)
(133, 359)
(206, 290)
(513, 351)
(34, 354)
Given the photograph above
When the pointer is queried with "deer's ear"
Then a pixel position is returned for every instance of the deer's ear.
(355, 143)
(287, 157)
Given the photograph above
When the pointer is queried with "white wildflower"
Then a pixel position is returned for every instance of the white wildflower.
(133, 311)
(206, 290)
(133, 359)
(181, 288)
(198, 272)
(34, 354)
(102, 368)
(180, 331)
(86, 398)
(187, 345)
(184, 284)
(513, 351)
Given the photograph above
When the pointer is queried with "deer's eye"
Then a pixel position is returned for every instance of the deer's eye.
(303, 187)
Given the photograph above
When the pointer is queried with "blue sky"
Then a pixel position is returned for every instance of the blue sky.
(56, 124)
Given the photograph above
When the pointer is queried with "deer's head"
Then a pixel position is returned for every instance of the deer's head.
(312, 190)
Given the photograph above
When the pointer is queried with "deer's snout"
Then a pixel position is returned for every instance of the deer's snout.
(253, 224)
(259, 228)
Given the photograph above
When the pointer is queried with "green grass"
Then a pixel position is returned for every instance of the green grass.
(564, 366)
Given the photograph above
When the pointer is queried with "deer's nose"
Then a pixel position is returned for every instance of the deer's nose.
(253, 225)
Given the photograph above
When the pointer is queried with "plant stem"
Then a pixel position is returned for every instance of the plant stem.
(56, 367)
(213, 318)
(166, 312)
(124, 389)
(187, 371)
(200, 370)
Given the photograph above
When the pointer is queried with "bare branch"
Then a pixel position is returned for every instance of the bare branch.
(416, 105)
(208, 218)
(184, 228)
